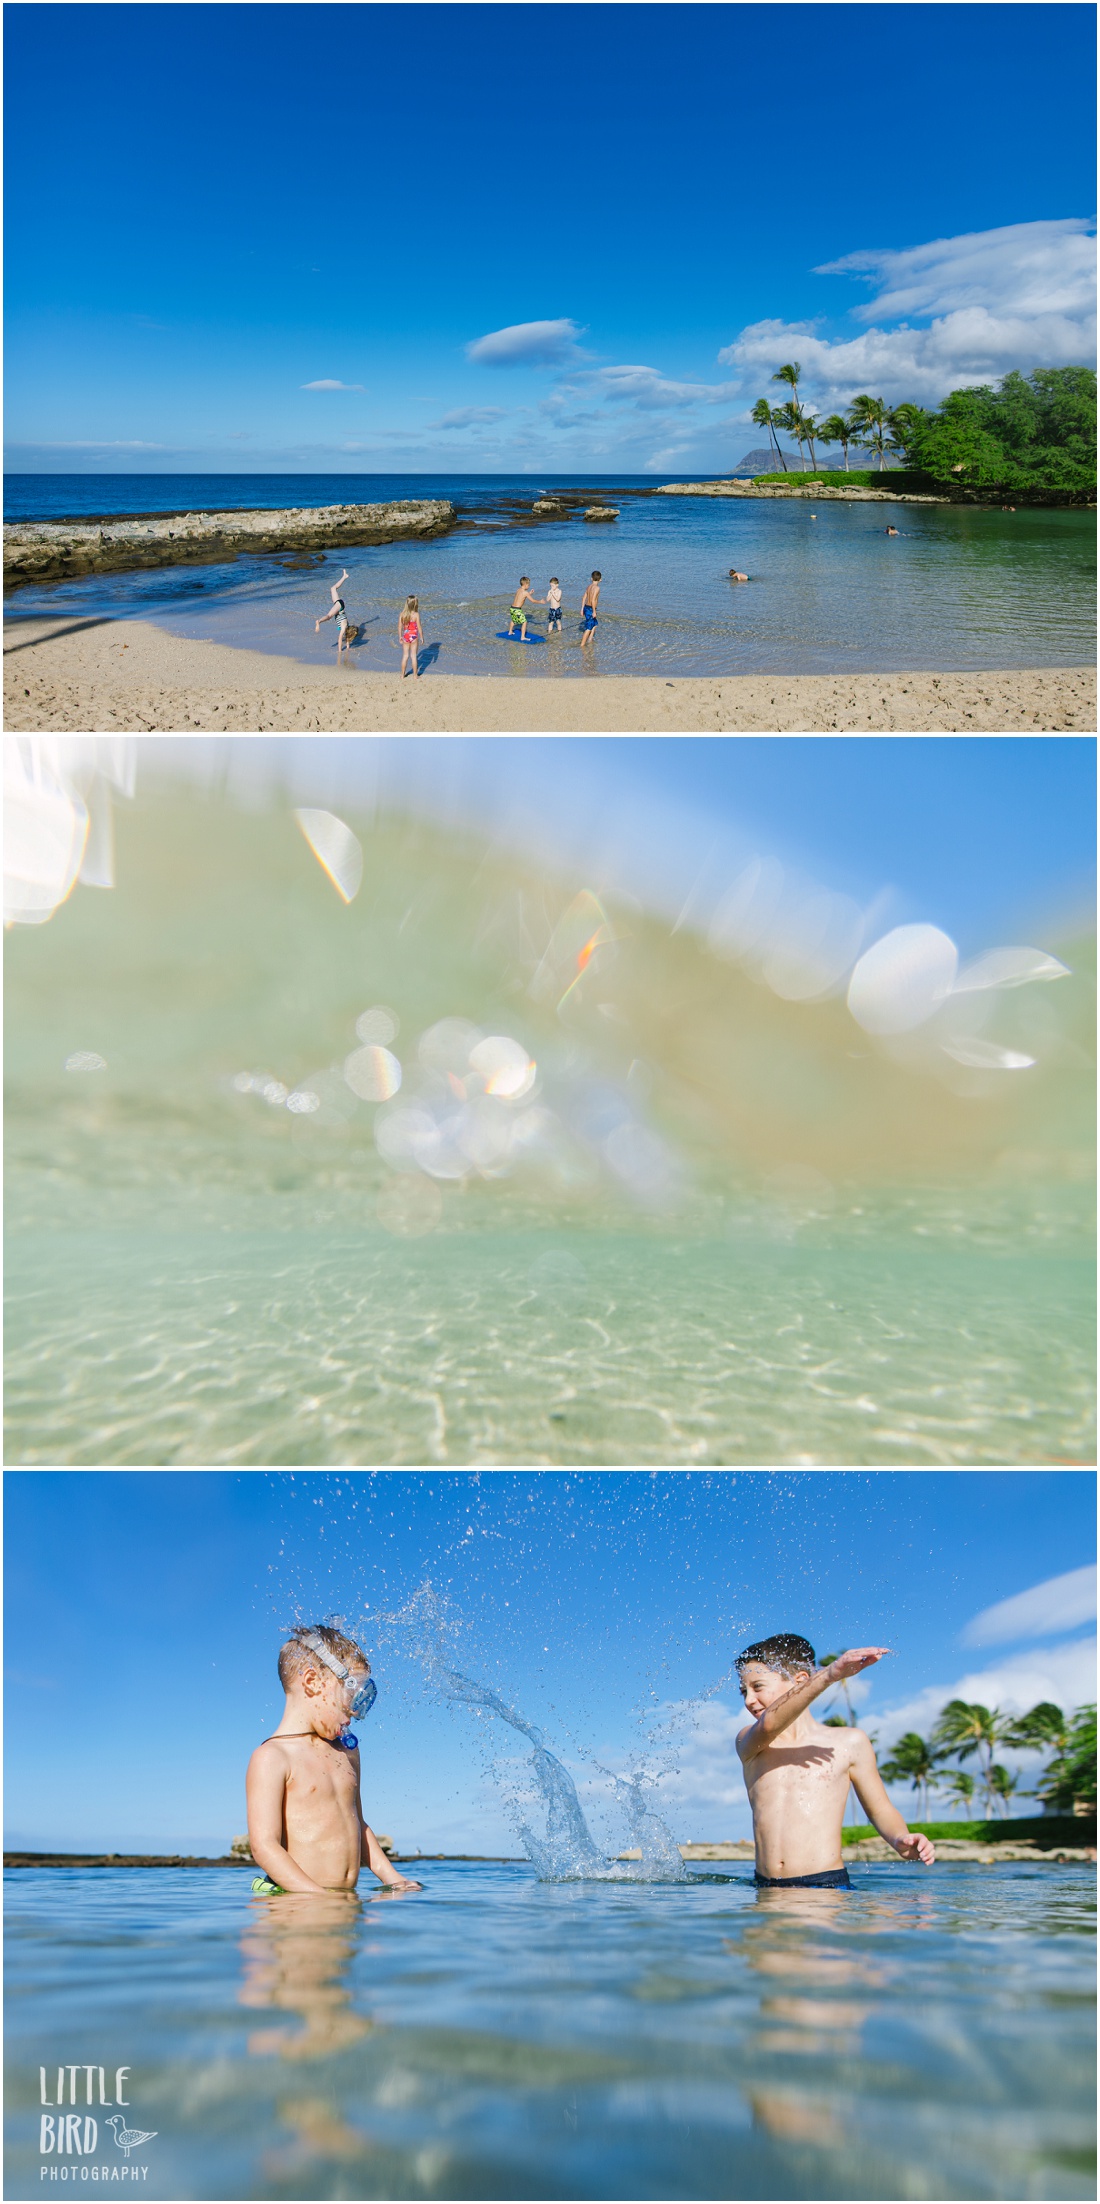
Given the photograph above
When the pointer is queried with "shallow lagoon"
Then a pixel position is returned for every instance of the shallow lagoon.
(857, 1266)
(929, 2035)
(960, 587)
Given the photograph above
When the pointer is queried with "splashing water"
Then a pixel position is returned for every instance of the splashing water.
(567, 1850)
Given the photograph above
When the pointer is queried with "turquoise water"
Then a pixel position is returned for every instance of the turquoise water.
(734, 1238)
(928, 2035)
(959, 587)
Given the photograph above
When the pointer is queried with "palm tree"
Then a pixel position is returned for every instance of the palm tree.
(835, 430)
(1044, 1725)
(790, 418)
(790, 375)
(1002, 1785)
(959, 1787)
(906, 425)
(872, 418)
(810, 430)
(1069, 1784)
(965, 1729)
(914, 1760)
(765, 419)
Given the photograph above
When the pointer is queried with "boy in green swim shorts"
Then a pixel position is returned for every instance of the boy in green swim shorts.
(517, 615)
(305, 1811)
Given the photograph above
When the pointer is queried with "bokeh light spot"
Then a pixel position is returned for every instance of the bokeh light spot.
(505, 1067)
(902, 980)
(373, 1074)
(337, 850)
(379, 1023)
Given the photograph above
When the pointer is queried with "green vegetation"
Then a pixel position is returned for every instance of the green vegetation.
(857, 478)
(1035, 433)
(967, 1731)
(1047, 1830)
(1033, 438)
(914, 1761)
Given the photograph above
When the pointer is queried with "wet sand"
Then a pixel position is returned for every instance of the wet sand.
(128, 675)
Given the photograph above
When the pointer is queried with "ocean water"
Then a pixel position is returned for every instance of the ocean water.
(959, 587)
(928, 2035)
(720, 1234)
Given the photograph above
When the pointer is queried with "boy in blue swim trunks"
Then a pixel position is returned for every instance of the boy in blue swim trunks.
(305, 1812)
(588, 607)
(797, 1770)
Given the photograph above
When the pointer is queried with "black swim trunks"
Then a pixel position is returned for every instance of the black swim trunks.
(834, 1878)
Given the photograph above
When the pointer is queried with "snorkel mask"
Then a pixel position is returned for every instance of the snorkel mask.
(362, 1693)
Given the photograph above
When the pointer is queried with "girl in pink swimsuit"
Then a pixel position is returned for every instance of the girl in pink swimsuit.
(412, 635)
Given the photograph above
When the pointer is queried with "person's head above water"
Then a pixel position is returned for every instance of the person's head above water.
(326, 1678)
(596, 574)
(769, 1668)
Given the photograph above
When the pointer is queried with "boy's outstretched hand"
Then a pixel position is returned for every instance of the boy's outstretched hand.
(860, 1656)
(915, 1848)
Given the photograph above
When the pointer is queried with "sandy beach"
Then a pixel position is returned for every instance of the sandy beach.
(127, 675)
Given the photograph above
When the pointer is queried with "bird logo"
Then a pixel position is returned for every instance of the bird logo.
(128, 2138)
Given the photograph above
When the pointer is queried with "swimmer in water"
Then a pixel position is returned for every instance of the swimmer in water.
(797, 1770)
(736, 577)
(893, 531)
(337, 611)
(305, 1812)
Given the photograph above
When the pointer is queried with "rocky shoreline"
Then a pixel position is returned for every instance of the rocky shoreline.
(50, 551)
(813, 487)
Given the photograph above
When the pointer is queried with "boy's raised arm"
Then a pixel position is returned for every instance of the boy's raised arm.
(794, 1702)
(265, 1787)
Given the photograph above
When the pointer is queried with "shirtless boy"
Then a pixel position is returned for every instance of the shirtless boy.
(589, 614)
(797, 1770)
(305, 1813)
(517, 613)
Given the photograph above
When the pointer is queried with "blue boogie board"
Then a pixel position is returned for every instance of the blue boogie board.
(507, 637)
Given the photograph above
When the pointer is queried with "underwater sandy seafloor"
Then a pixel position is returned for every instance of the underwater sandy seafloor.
(730, 1229)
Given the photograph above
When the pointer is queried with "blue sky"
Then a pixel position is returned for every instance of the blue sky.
(144, 1613)
(471, 238)
(984, 836)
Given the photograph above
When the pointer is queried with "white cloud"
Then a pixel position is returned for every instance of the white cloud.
(468, 417)
(1050, 1609)
(642, 387)
(1031, 268)
(1065, 1674)
(528, 344)
(1019, 297)
(326, 383)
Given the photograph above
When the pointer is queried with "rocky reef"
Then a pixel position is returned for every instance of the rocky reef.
(812, 487)
(49, 551)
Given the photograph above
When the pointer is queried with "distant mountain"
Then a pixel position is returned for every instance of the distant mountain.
(762, 461)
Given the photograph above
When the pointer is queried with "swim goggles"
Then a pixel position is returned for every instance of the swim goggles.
(362, 1693)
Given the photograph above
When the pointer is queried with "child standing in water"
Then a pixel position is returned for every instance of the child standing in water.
(553, 602)
(797, 1770)
(305, 1813)
(517, 617)
(337, 611)
(588, 607)
(412, 635)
